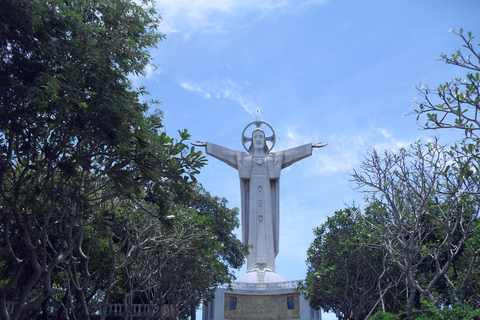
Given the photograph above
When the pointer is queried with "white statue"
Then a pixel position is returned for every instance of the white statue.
(259, 171)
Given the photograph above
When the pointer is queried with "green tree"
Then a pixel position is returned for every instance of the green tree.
(428, 217)
(348, 272)
(74, 135)
(456, 103)
(416, 241)
(170, 267)
(422, 208)
(222, 222)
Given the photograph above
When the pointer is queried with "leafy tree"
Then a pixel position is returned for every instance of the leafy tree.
(173, 266)
(458, 103)
(417, 238)
(428, 217)
(348, 272)
(430, 312)
(73, 136)
(222, 222)
(422, 208)
(128, 256)
(455, 104)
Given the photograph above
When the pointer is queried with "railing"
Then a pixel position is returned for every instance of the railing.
(268, 286)
(138, 310)
(117, 310)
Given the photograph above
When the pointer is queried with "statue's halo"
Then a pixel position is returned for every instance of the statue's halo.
(272, 139)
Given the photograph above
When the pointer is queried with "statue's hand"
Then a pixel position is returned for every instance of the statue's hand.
(199, 144)
(318, 145)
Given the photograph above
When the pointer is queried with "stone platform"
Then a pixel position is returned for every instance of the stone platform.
(259, 301)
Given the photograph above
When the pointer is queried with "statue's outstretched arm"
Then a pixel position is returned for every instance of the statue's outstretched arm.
(295, 154)
(221, 153)
(318, 145)
(199, 143)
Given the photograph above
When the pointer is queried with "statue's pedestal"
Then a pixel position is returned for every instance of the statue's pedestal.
(259, 301)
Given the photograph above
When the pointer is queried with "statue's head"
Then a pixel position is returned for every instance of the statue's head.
(256, 144)
(259, 144)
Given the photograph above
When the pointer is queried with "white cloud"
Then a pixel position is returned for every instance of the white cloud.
(385, 132)
(214, 15)
(196, 89)
(392, 145)
(343, 152)
(348, 152)
(225, 90)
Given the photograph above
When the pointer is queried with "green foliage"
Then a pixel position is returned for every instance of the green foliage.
(222, 222)
(347, 273)
(430, 211)
(455, 104)
(84, 171)
(431, 312)
(416, 239)
(421, 221)
(178, 264)
(386, 316)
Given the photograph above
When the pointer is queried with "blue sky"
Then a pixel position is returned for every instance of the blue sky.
(336, 71)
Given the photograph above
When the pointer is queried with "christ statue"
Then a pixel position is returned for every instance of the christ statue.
(259, 171)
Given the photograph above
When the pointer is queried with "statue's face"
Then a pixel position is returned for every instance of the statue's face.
(258, 139)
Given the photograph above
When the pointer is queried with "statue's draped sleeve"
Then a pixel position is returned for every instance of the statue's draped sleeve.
(226, 155)
(242, 162)
(290, 156)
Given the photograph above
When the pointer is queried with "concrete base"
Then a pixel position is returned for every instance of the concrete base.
(259, 301)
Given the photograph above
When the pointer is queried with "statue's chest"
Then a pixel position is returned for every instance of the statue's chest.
(259, 166)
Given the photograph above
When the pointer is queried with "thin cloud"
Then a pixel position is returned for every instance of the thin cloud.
(184, 16)
(197, 89)
(343, 152)
(226, 90)
(393, 144)
(385, 132)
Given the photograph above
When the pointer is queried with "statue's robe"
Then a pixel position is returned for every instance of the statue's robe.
(259, 186)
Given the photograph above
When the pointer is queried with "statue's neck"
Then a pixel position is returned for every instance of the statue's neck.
(259, 153)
